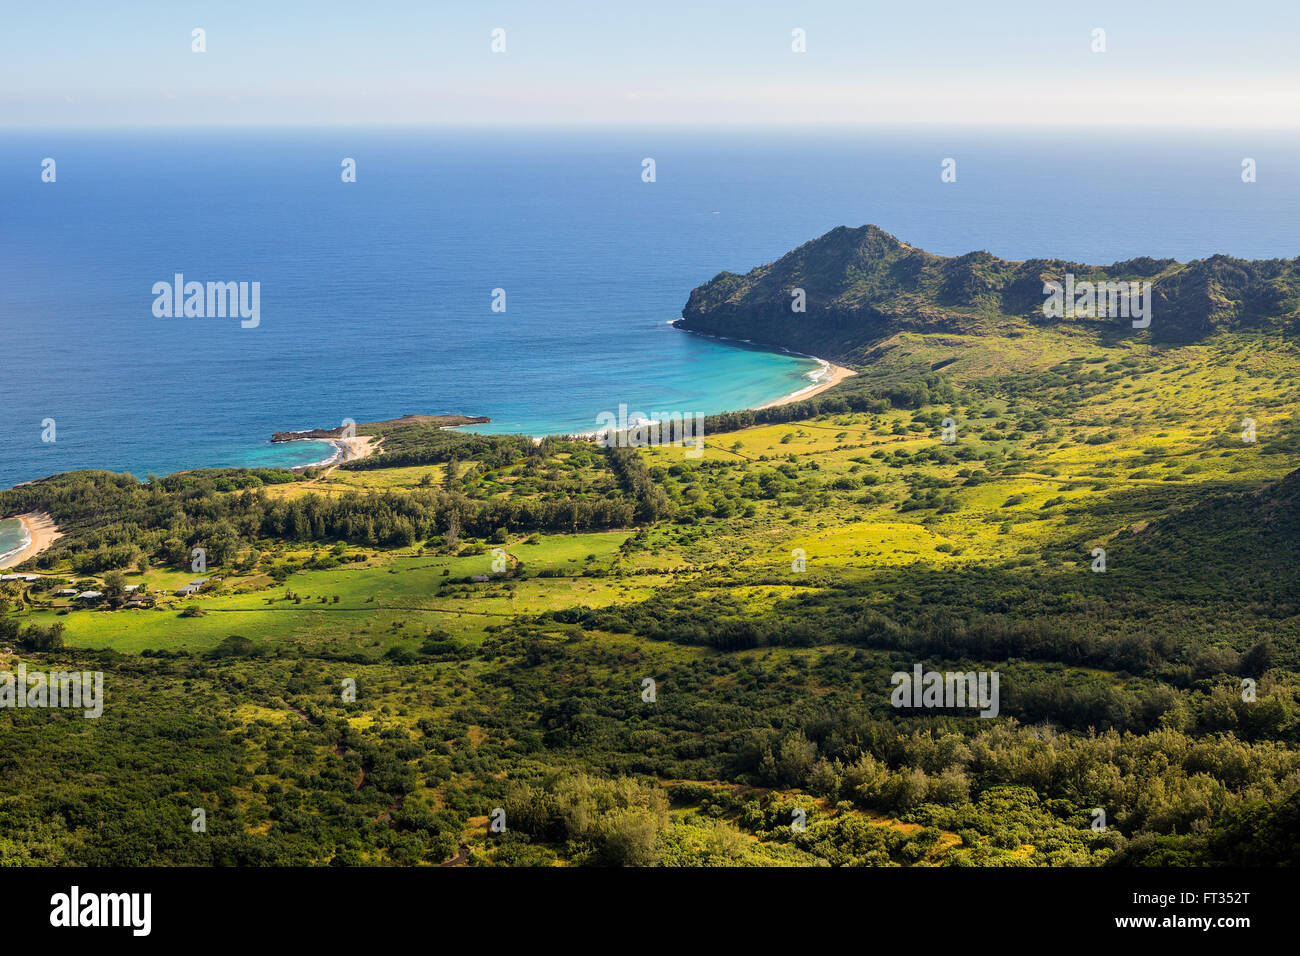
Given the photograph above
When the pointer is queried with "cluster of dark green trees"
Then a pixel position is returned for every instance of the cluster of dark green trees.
(112, 521)
(429, 445)
(32, 637)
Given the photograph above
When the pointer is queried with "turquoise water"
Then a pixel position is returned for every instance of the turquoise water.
(685, 373)
(245, 454)
(376, 295)
(12, 536)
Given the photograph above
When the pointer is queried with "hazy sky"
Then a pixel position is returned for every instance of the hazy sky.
(323, 62)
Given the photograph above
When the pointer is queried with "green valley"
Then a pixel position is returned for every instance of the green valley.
(485, 650)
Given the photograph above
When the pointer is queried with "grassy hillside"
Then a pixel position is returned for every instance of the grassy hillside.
(499, 607)
(863, 285)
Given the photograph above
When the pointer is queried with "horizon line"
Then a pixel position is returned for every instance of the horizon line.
(684, 125)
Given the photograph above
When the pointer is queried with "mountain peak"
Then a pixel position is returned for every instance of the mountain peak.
(860, 285)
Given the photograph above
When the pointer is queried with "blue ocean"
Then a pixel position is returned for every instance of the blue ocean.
(376, 296)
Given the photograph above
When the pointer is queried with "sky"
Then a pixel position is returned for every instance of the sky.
(658, 62)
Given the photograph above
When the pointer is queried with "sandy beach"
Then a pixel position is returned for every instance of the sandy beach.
(829, 374)
(350, 449)
(43, 533)
(345, 449)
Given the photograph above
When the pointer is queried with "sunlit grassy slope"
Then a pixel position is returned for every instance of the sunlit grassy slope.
(1054, 445)
(1051, 453)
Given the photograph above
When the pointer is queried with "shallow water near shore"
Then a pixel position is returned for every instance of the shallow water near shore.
(376, 296)
(13, 537)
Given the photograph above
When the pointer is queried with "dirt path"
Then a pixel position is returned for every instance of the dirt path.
(301, 714)
(461, 856)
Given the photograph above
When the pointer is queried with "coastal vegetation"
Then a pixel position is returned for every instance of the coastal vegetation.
(499, 604)
(862, 285)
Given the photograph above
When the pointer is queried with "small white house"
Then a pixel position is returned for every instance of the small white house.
(90, 595)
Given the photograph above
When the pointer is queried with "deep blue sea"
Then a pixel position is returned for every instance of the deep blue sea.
(376, 296)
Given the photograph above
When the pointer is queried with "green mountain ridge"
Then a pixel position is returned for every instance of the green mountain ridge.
(863, 285)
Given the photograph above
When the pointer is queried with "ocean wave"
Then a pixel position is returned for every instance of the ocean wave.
(339, 451)
(22, 545)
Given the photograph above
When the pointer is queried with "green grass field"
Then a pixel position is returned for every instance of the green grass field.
(797, 565)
